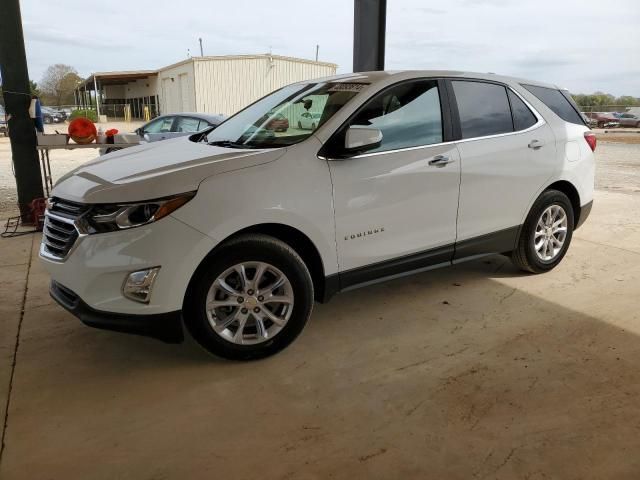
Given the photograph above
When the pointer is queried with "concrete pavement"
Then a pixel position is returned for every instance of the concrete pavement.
(477, 371)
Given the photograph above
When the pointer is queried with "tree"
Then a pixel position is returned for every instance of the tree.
(33, 86)
(34, 91)
(600, 101)
(58, 83)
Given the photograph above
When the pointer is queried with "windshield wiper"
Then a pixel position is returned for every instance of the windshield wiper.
(231, 144)
(226, 143)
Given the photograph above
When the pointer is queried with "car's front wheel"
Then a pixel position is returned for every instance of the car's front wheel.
(546, 233)
(250, 299)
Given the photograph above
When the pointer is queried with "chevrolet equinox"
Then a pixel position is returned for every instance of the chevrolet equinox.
(235, 232)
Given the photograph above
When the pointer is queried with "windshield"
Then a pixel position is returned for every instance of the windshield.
(282, 118)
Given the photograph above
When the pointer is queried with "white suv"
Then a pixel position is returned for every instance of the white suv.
(236, 231)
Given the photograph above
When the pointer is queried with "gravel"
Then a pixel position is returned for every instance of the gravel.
(618, 167)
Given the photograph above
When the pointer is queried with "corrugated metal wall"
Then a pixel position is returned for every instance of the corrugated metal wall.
(176, 88)
(228, 84)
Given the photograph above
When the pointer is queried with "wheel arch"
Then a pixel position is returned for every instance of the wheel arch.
(299, 242)
(571, 192)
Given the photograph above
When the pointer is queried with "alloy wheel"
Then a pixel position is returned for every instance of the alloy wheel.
(250, 303)
(550, 233)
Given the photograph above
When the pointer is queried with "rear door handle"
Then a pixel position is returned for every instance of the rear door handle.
(535, 144)
(440, 161)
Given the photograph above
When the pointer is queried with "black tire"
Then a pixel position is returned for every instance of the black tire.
(248, 248)
(299, 125)
(48, 120)
(525, 256)
(600, 124)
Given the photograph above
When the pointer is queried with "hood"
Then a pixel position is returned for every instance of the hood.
(154, 170)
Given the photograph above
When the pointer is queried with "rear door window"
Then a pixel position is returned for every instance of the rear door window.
(558, 102)
(161, 125)
(523, 118)
(188, 124)
(483, 108)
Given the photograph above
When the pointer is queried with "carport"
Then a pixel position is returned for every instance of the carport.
(111, 92)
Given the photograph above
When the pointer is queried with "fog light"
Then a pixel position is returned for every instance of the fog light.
(138, 284)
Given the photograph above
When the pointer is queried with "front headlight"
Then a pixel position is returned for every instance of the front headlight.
(120, 216)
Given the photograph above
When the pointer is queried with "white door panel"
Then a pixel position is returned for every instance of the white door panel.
(410, 203)
(500, 176)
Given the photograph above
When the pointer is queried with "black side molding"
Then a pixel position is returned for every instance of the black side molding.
(497, 242)
(396, 266)
(163, 326)
(585, 210)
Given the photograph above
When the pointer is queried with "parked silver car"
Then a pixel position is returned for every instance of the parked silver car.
(629, 120)
(171, 126)
(177, 125)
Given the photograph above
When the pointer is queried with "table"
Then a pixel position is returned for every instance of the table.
(45, 164)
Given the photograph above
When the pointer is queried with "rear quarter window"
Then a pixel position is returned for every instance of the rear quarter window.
(558, 102)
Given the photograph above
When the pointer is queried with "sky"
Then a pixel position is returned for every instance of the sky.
(582, 45)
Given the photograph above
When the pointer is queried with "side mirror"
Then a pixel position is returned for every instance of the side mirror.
(360, 139)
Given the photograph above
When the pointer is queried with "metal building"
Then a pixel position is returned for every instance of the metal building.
(223, 84)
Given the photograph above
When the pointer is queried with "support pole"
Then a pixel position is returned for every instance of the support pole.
(369, 19)
(17, 98)
(95, 89)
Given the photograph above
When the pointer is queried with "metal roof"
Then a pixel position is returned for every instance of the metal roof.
(245, 57)
(116, 78)
(124, 77)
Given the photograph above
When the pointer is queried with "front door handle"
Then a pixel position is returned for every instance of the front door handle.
(440, 161)
(535, 144)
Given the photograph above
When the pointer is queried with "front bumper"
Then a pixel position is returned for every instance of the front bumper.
(163, 326)
(97, 265)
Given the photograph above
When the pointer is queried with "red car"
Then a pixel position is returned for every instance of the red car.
(279, 123)
(602, 120)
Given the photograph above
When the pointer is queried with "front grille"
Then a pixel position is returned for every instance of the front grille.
(60, 231)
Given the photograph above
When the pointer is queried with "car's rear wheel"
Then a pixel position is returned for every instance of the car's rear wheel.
(250, 299)
(546, 233)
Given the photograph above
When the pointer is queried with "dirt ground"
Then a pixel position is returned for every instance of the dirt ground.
(473, 372)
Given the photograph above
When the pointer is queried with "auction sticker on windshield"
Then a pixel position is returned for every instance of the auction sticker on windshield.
(347, 87)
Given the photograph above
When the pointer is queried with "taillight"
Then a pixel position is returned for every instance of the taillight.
(590, 137)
